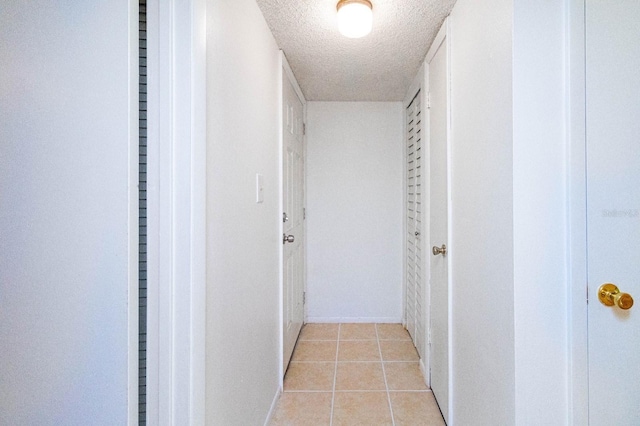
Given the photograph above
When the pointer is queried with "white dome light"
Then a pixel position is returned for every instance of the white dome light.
(355, 18)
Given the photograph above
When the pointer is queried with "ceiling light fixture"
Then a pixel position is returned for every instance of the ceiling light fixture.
(355, 17)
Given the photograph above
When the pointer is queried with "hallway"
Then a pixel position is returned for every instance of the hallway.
(143, 160)
(348, 374)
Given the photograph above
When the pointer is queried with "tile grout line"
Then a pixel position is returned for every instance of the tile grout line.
(335, 375)
(354, 361)
(361, 391)
(384, 374)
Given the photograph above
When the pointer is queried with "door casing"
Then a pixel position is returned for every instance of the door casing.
(176, 210)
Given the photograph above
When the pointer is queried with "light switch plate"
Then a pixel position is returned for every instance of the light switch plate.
(259, 188)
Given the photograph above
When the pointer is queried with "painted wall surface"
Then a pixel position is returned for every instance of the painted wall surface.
(243, 336)
(354, 211)
(64, 211)
(481, 250)
(539, 209)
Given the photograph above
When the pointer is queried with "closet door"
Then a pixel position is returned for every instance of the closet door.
(414, 209)
(613, 211)
(142, 216)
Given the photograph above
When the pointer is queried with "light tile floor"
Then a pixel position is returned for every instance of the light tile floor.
(355, 374)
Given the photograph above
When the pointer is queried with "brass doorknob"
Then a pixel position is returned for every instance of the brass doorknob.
(610, 295)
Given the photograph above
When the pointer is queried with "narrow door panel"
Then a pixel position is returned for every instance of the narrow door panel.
(439, 228)
(293, 217)
(613, 208)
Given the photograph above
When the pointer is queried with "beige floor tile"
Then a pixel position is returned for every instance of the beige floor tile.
(319, 332)
(358, 332)
(360, 376)
(361, 409)
(310, 376)
(303, 409)
(360, 396)
(404, 376)
(315, 351)
(415, 409)
(398, 350)
(358, 350)
(392, 332)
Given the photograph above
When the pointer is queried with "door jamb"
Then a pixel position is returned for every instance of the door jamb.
(133, 219)
(281, 60)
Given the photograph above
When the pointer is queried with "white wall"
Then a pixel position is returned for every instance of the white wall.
(66, 258)
(482, 213)
(354, 211)
(540, 212)
(243, 338)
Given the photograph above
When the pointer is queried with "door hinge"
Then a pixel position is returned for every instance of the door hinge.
(304, 297)
(429, 337)
(304, 128)
(304, 213)
(428, 100)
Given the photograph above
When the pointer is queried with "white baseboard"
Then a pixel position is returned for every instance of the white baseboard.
(274, 404)
(425, 375)
(380, 320)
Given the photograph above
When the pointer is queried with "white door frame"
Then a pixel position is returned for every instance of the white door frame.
(176, 194)
(578, 367)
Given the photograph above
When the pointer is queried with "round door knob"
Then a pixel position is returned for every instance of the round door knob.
(610, 295)
(625, 301)
(288, 238)
(417, 234)
(439, 250)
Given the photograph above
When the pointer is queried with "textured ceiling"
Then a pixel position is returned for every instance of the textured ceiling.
(378, 67)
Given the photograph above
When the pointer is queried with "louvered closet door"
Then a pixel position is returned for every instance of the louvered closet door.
(414, 256)
(142, 223)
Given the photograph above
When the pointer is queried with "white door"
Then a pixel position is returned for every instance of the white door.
(613, 207)
(414, 294)
(293, 217)
(438, 224)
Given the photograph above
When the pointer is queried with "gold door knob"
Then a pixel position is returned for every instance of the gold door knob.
(610, 295)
